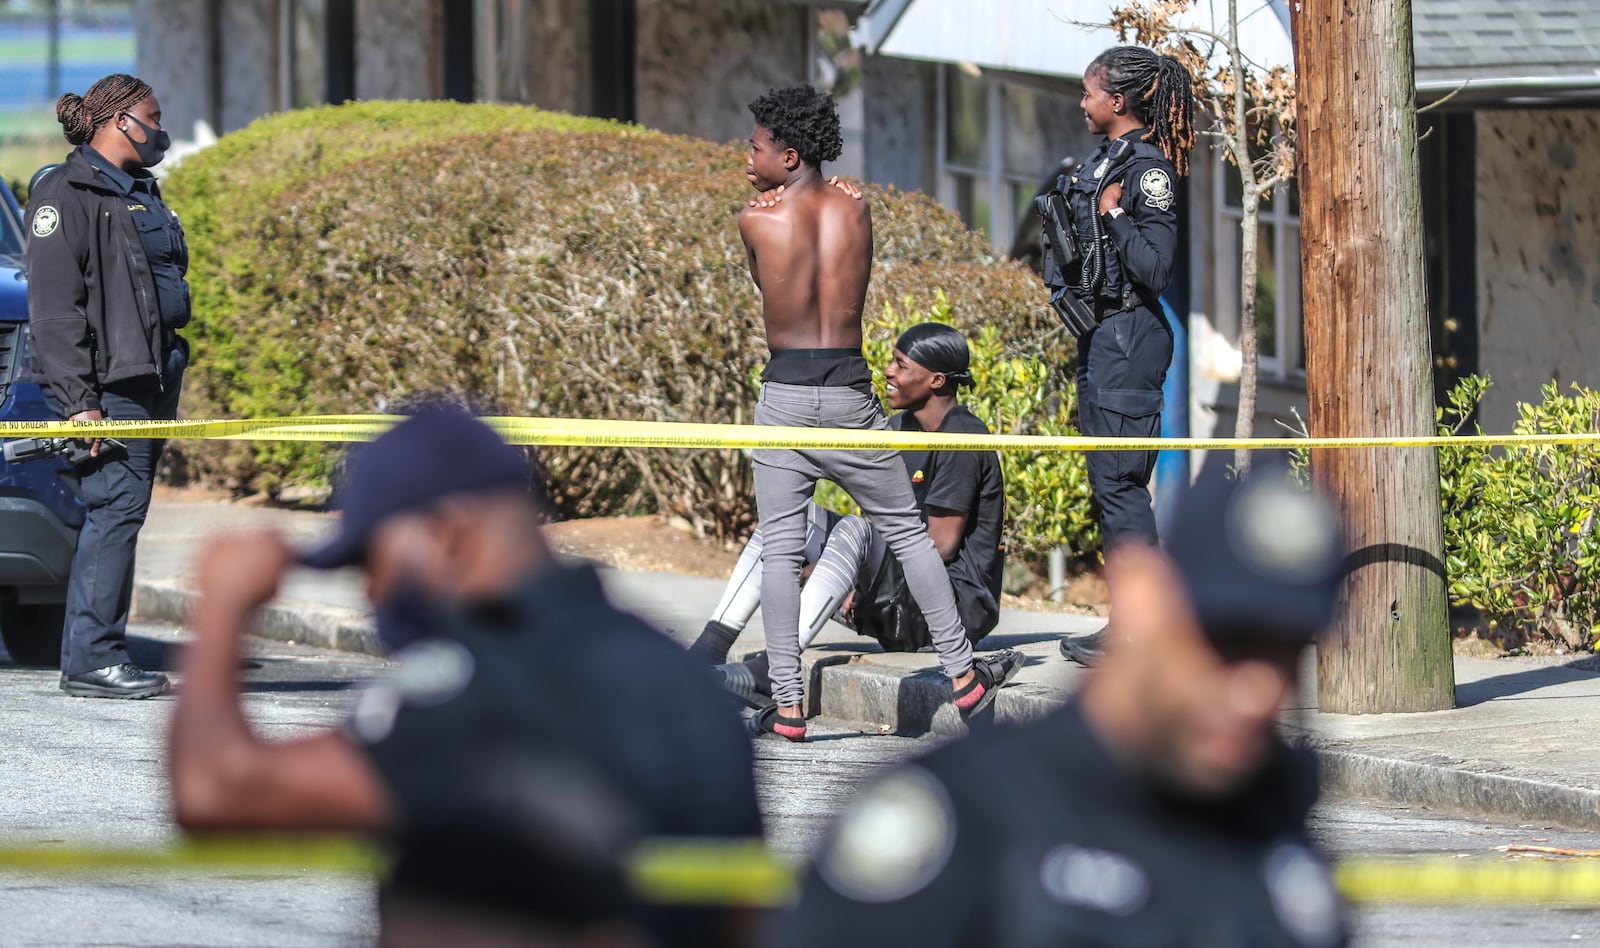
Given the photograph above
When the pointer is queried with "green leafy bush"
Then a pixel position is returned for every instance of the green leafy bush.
(1519, 522)
(347, 258)
(1047, 492)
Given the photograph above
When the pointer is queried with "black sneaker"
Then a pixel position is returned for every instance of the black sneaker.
(741, 681)
(1084, 649)
(991, 670)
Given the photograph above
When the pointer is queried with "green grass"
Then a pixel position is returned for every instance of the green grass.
(102, 47)
(19, 159)
(35, 122)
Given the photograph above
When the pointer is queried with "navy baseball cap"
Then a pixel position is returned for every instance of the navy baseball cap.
(1259, 558)
(433, 454)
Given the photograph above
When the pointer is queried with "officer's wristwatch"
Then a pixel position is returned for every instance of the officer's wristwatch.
(1113, 214)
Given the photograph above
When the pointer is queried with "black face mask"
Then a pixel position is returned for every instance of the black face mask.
(155, 144)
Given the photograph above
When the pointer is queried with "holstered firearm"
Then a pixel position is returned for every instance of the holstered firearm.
(23, 450)
(1068, 266)
(1062, 260)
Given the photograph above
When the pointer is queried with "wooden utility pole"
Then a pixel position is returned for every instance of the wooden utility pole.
(1368, 369)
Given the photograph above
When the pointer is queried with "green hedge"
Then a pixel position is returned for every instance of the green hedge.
(348, 258)
(1521, 545)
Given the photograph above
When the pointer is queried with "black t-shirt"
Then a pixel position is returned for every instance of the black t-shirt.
(1038, 837)
(965, 482)
(554, 677)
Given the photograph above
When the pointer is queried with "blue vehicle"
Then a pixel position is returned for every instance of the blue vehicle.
(40, 513)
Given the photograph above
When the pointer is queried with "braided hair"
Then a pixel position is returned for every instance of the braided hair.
(1160, 92)
(82, 116)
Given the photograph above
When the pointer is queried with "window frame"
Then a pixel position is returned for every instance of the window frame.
(991, 175)
(1288, 322)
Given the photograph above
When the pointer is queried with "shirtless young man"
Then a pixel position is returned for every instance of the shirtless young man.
(811, 256)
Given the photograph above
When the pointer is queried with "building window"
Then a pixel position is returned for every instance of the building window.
(501, 56)
(999, 138)
(300, 54)
(1279, 339)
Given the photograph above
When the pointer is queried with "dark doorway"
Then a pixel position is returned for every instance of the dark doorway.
(613, 40)
(460, 73)
(1447, 155)
(339, 51)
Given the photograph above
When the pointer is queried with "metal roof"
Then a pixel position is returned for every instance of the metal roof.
(1504, 51)
(1040, 36)
(1508, 51)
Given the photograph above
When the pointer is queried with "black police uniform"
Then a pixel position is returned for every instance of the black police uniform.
(554, 694)
(965, 482)
(106, 298)
(1070, 848)
(1122, 364)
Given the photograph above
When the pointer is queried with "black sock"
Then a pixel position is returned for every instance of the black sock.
(713, 644)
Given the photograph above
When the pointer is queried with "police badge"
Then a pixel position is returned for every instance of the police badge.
(45, 220)
(1157, 188)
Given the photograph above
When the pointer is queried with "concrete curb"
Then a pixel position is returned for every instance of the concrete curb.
(1453, 787)
(284, 621)
(856, 690)
(853, 688)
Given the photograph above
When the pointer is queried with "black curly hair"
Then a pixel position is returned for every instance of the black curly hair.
(801, 118)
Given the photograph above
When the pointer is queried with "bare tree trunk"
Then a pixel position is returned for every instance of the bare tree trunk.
(1368, 368)
(1244, 425)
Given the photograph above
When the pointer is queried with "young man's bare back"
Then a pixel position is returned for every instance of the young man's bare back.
(811, 255)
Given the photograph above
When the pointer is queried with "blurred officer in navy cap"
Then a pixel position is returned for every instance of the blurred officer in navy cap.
(502, 654)
(1160, 806)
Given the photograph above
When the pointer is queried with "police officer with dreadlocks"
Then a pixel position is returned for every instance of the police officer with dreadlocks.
(1111, 230)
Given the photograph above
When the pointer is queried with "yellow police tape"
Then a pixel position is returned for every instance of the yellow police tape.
(597, 432)
(746, 873)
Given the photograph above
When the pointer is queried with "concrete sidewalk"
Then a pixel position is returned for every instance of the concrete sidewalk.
(1518, 747)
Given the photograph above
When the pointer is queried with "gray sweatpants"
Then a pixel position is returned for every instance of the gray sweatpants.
(785, 480)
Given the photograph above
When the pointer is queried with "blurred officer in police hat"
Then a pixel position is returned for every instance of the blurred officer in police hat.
(504, 656)
(1159, 807)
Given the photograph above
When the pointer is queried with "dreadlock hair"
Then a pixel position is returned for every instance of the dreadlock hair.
(938, 348)
(82, 116)
(801, 118)
(1160, 92)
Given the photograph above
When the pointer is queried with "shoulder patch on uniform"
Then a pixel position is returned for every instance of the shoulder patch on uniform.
(1157, 187)
(1302, 894)
(45, 221)
(892, 840)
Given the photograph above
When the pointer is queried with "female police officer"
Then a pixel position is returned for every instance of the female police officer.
(1126, 229)
(106, 297)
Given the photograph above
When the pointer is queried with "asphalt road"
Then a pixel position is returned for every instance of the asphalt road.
(86, 772)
